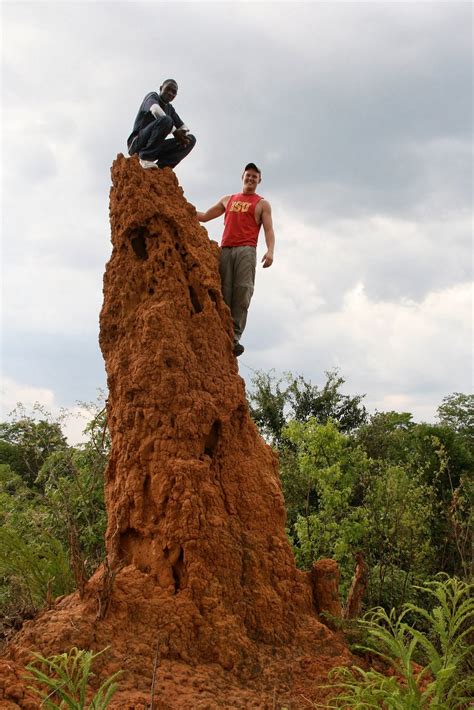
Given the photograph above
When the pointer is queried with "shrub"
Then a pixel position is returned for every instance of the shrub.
(39, 569)
(442, 682)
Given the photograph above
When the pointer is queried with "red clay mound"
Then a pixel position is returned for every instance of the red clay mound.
(198, 564)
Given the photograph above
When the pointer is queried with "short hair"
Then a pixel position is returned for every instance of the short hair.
(169, 81)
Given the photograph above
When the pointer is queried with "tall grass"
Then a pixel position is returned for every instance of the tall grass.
(39, 569)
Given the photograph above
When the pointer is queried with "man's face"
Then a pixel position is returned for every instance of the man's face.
(168, 91)
(250, 180)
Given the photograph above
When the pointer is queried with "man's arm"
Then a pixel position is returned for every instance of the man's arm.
(267, 222)
(179, 129)
(215, 211)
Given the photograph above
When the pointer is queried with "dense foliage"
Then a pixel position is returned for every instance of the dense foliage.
(52, 516)
(429, 670)
(382, 485)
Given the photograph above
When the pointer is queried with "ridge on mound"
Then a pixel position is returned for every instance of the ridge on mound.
(198, 564)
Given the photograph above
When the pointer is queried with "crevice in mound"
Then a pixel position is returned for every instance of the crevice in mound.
(152, 286)
(150, 512)
(195, 300)
(175, 557)
(147, 485)
(213, 296)
(138, 242)
(212, 439)
(178, 571)
(187, 261)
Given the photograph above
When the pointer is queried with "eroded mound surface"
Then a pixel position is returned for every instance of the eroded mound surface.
(198, 569)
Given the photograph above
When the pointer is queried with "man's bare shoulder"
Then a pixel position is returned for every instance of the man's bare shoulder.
(263, 206)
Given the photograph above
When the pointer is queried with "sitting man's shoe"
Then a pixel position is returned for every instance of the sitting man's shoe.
(147, 164)
(238, 349)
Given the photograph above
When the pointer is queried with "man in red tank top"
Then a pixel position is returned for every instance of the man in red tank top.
(245, 213)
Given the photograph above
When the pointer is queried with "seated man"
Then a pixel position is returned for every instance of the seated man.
(245, 212)
(155, 120)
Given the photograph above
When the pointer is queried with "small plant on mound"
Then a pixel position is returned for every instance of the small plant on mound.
(442, 681)
(61, 681)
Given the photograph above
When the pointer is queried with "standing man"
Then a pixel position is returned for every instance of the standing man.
(155, 120)
(245, 213)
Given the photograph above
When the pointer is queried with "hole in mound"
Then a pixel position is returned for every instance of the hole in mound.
(195, 300)
(138, 241)
(213, 296)
(147, 485)
(178, 571)
(212, 439)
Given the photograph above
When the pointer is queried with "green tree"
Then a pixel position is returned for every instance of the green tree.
(441, 458)
(355, 503)
(331, 525)
(386, 436)
(34, 565)
(52, 521)
(399, 509)
(28, 440)
(274, 402)
(457, 412)
(73, 485)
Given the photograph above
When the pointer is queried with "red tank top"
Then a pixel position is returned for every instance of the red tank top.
(240, 228)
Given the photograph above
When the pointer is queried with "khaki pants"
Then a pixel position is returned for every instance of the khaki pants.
(237, 269)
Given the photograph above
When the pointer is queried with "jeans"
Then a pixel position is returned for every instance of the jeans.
(151, 144)
(237, 270)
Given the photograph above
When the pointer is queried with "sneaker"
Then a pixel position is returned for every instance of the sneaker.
(238, 349)
(147, 164)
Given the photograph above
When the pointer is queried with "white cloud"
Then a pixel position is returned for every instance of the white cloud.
(50, 299)
(73, 422)
(360, 120)
(405, 355)
(14, 393)
(395, 258)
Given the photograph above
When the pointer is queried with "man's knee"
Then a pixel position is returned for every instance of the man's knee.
(191, 142)
(241, 296)
(165, 122)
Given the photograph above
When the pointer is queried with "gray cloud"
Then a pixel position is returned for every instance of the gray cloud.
(360, 116)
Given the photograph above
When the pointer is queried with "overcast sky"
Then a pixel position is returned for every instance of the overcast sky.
(360, 116)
